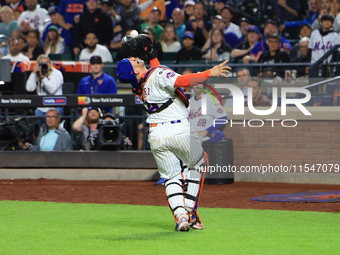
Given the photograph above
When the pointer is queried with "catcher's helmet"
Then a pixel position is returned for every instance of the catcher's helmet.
(126, 74)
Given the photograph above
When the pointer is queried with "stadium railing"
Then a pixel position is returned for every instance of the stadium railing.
(324, 68)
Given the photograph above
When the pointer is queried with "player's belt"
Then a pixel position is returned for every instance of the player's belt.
(172, 122)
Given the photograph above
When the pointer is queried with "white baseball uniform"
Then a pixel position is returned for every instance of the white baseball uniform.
(171, 138)
(320, 45)
(200, 122)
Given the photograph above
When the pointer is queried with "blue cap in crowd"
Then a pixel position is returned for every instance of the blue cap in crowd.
(126, 74)
(253, 28)
(93, 108)
(53, 9)
(217, 136)
(270, 21)
(96, 60)
(188, 34)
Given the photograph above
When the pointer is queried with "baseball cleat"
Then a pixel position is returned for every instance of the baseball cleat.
(182, 223)
(195, 222)
(161, 181)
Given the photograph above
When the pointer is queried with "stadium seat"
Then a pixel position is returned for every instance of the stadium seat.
(189, 65)
(266, 12)
(114, 54)
(169, 56)
(291, 33)
(250, 7)
(110, 71)
(61, 57)
(68, 88)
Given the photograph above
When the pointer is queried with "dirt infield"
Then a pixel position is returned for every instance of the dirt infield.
(235, 195)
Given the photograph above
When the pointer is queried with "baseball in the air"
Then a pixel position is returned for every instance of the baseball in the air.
(133, 33)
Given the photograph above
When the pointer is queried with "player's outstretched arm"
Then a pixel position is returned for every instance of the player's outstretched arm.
(220, 70)
(195, 78)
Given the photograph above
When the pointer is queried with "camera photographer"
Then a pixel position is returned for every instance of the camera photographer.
(51, 136)
(88, 124)
(45, 80)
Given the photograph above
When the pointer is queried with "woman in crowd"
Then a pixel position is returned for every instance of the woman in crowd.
(7, 26)
(22, 42)
(54, 43)
(218, 50)
(33, 49)
(45, 80)
(169, 39)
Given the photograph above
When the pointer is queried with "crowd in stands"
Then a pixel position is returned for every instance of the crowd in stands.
(194, 30)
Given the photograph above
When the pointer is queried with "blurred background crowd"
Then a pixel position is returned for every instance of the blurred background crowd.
(244, 31)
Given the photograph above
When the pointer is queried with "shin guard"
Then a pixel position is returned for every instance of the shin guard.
(195, 181)
(174, 195)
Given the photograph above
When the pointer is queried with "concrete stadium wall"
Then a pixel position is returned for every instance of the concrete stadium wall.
(310, 142)
(315, 140)
(309, 151)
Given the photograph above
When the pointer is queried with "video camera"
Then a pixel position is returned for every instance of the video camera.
(109, 135)
(15, 130)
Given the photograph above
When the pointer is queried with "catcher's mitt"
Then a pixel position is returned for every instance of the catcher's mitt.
(139, 44)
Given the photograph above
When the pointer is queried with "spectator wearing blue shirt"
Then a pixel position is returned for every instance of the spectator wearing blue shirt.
(69, 12)
(311, 16)
(286, 10)
(98, 82)
(52, 137)
(178, 22)
(172, 5)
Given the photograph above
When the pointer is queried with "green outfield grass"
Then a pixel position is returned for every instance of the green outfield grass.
(63, 228)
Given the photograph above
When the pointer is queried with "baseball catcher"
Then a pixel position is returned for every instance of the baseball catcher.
(172, 142)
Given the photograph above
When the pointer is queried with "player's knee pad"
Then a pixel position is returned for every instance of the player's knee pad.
(174, 194)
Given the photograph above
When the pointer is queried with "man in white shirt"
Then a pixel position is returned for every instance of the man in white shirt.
(94, 49)
(38, 17)
(227, 15)
(14, 49)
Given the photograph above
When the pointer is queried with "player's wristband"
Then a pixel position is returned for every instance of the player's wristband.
(152, 54)
(154, 62)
